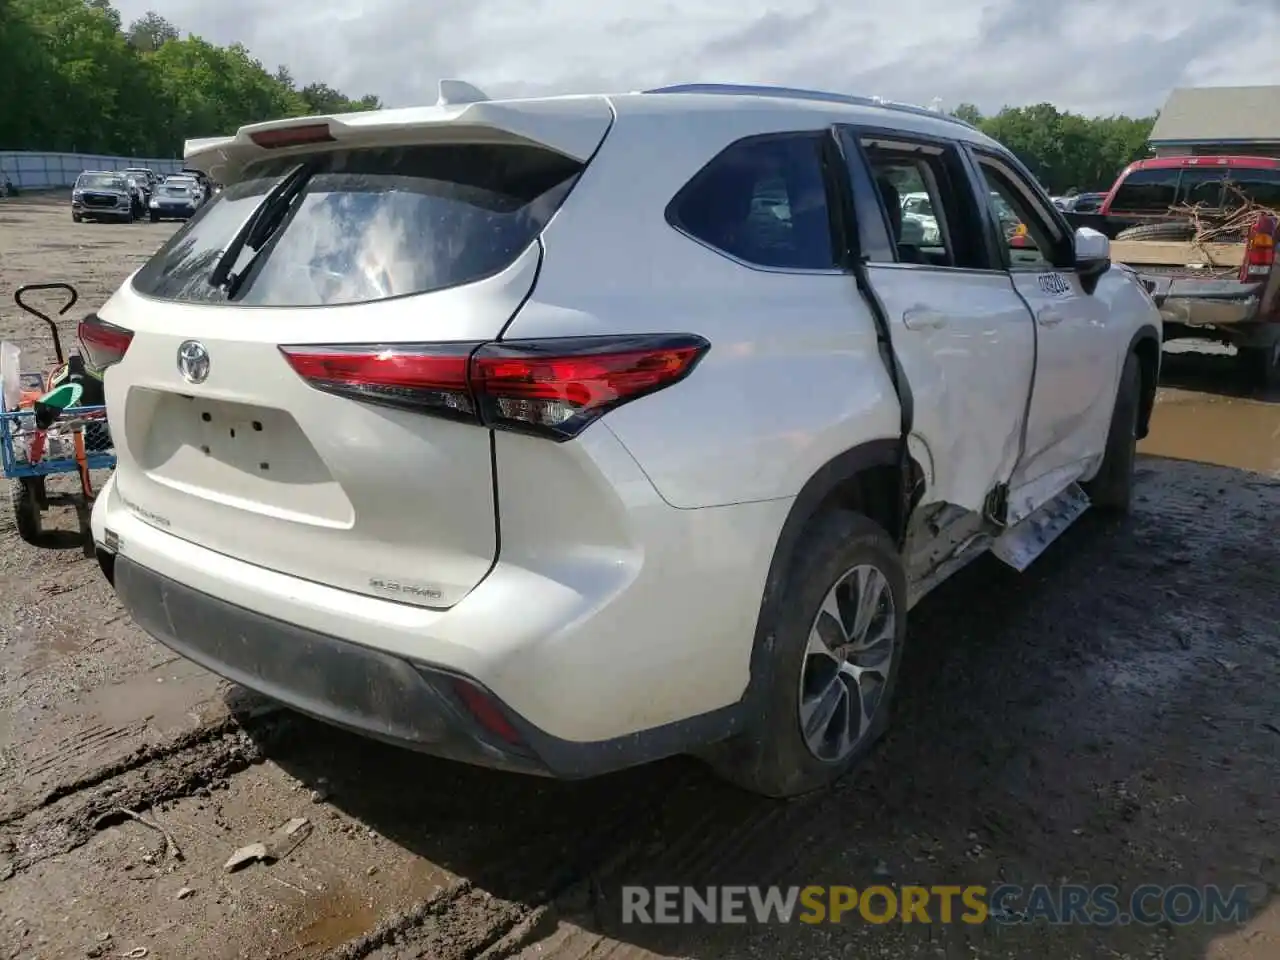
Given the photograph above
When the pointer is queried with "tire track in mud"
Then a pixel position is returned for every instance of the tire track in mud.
(70, 814)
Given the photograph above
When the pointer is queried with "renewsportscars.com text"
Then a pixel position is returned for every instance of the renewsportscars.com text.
(1074, 904)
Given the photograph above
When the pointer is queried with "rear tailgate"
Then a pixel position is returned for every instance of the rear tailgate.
(404, 236)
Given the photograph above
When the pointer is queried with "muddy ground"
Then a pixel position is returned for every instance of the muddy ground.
(1111, 716)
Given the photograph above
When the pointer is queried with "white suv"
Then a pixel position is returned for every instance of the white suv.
(560, 435)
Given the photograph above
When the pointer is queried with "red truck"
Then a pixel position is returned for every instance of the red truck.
(1227, 290)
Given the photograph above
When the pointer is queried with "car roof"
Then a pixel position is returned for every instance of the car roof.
(1213, 160)
(559, 121)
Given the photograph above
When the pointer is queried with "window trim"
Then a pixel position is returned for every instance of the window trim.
(855, 133)
(1062, 258)
(817, 134)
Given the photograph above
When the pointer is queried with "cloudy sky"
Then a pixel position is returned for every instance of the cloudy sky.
(1094, 56)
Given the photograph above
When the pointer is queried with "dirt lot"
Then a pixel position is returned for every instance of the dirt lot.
(1111, 716)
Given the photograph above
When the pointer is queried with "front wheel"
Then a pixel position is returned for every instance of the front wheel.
(1112, 488)
(838, 637)
(76, 218)
(155, 217)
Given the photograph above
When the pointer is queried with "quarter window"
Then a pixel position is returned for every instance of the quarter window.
(763, 201)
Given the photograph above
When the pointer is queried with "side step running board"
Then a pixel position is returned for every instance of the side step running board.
(1021, 544)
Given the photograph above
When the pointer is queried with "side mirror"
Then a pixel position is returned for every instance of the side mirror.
(1093, 253)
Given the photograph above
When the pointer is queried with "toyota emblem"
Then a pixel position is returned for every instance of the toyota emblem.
(193, 361)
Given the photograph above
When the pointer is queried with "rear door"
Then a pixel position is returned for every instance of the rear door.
(1075, 356)
(221, 440)
(961, 333)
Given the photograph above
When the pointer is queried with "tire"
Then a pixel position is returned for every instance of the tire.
(128, 217)
(1260, 366)
(772, 757)
(1112, 489)
(26, 495)
(155, 217)
(1173, 230)
(76, 218)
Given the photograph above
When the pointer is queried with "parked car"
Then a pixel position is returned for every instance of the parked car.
(917, 208)
(203, 179)
(102, 195)
(726, 453)
(148, 177)
(177, 198)
(1227, 290)
(1085, 203)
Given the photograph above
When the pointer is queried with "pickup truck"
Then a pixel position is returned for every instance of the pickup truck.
(1227, 290)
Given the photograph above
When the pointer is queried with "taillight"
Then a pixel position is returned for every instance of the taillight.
(1260, 251)
(102, 343)
(551, 388)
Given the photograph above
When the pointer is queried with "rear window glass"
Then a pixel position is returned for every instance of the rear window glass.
(1261, 186)
(763, 201)
(370, 224)
(1147, 191)
(1203, 186)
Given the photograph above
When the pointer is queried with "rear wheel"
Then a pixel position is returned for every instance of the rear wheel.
(1260, 366)
(838, 640)
(27, 497)
(1112, 488)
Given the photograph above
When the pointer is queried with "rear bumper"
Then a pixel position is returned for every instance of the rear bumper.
(174, 211)
(351, 686)
(1206, 303)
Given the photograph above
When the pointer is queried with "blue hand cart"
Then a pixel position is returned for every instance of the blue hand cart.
(78, 441)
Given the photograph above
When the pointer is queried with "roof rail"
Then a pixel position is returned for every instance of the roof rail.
(797, 93)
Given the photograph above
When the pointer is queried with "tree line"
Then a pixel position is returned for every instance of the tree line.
(1065, 150)
(74, 78)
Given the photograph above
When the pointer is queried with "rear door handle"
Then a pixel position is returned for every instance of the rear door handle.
(921, 318)
(1048, 317)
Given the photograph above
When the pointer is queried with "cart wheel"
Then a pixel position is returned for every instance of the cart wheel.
(27, 494)
(84, 515)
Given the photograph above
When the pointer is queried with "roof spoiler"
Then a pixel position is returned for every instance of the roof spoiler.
(573, 126)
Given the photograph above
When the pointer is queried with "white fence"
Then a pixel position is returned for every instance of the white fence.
(39, 171)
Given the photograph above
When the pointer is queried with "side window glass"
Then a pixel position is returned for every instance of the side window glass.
(1025, 235)
(763, 201)
(910, 184)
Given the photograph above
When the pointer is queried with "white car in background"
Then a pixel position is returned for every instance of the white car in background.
(563, 434)
(917, 208)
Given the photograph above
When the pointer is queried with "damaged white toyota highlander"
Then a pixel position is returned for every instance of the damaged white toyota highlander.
(560, 435)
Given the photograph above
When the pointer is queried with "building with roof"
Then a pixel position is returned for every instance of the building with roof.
(1208, 120)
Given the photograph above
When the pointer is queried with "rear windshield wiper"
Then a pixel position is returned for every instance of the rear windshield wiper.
(258, 226)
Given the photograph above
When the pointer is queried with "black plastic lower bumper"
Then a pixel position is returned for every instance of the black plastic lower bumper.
(343, 683)
(376, 693)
